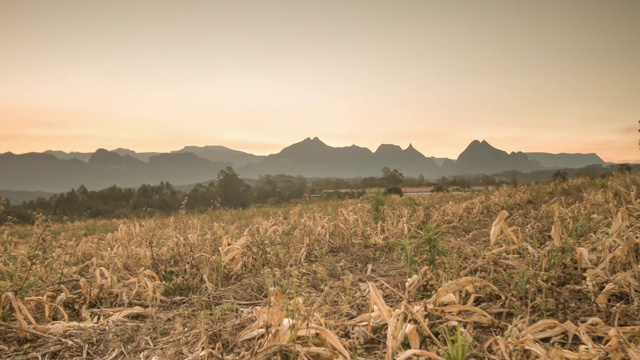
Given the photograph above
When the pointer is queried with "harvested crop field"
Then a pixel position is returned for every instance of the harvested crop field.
(540, 271)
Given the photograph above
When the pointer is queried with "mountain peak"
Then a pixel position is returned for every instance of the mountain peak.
(388, 149)
(480, 149)
(309, 141)
(307, 147)
(104, 157)
(315, 140)
(481, 157)
(411, 151)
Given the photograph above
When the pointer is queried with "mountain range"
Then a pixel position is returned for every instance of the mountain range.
(57, 171)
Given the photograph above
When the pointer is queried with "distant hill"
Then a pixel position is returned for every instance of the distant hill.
(482, 158)
(313, 158)
(45, 172)
(439, 161)
(213, 153)
(17, 197)
(142, 156)
(221, 153)
(111, 160)
(564, 160)
(184, 168)
(56, 171)
(40, 171)
(69, 156)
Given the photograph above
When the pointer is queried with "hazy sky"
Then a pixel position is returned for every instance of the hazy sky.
(554, 76)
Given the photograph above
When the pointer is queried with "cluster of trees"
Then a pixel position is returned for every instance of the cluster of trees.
(230, 191)
(227, 191)
(116, 202)
(112, 202)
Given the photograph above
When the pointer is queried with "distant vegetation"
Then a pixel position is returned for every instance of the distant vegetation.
(230, 191)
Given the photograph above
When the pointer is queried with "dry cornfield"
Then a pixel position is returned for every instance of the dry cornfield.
(540, 271)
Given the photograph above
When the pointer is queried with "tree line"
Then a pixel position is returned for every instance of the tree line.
(227, 191)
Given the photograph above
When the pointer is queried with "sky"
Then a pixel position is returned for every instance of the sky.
(553, 76)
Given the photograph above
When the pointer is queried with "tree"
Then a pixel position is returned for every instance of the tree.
(560, 175)
(202, 197)
(370, 182)
(391, 178)
(280, 187)
(393, 191)
(593, 171)
(624, 169)
(232, 191)
(266, 188)
(161, 197)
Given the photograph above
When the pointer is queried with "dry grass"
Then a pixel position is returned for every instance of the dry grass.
(544, 271)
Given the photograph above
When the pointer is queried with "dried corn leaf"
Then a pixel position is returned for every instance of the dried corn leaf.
(603, 298)
(411, 331)
(20, 312)
(464, 283)
(47, 307)
(582, 255)
(412, 353)
(413, 283)
(333, 340)
(395, 334)
(528, 343)
(479, 315)
(498, 226)
(122, 314)
(378, 301)
(449, 298)
(582, 354)
(620, 222)
(549, 328)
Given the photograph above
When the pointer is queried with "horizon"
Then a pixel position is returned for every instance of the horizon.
(544, 76)
(373, 150)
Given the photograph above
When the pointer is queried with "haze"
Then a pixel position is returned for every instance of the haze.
(553, 76)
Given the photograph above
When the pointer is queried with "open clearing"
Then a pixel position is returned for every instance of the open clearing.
(541, 271)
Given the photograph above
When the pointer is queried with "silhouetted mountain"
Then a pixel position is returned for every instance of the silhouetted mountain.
(183, 168)
(46, 172)
(142, 156)
(564, 160)
(448, 166)
(38, 171)
(70, 156)
(480, 157)
(389, 152)
(111, 160)
(17, 197)
(56, 171)
(439, 161)
(221, 153)
(409, 161)
(313, 158)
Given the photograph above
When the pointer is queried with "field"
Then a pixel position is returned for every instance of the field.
(541, 271)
